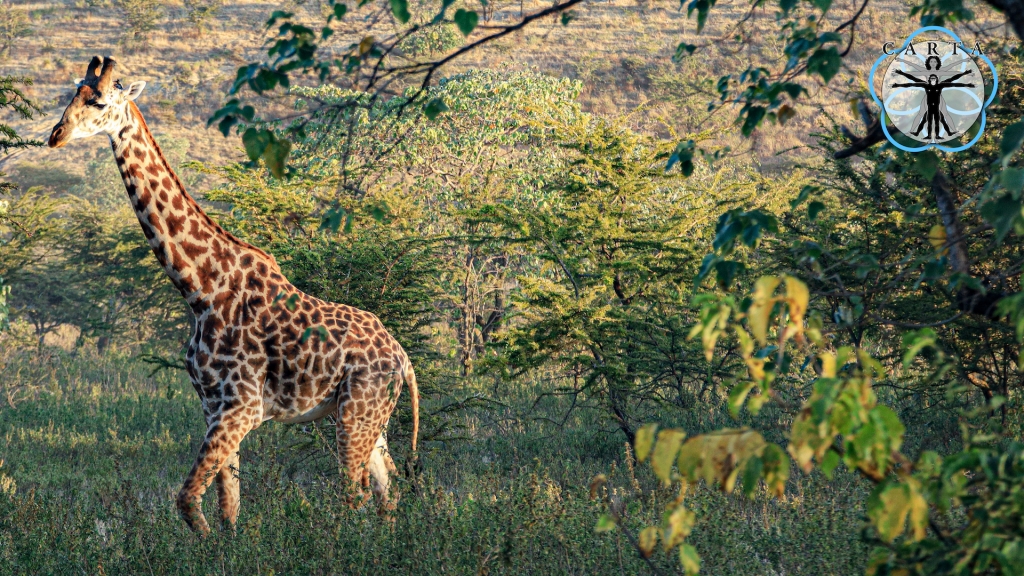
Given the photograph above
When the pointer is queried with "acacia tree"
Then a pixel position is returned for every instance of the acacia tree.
(12, 97)
(816, 348)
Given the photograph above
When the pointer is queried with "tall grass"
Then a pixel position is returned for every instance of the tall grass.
(97, 448)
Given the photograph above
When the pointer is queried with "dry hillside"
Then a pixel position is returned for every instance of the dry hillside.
(620, 49)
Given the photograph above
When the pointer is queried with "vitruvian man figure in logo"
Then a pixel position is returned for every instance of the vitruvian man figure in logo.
(933, 96)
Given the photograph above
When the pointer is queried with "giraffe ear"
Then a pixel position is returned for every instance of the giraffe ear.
(134, 90)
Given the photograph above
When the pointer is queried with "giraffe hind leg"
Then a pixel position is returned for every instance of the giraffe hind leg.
(353, 458)
(381, 467)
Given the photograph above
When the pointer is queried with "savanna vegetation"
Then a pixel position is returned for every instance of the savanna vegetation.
(689, 312)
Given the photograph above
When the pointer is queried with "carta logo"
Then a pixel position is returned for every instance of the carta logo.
(934, 91)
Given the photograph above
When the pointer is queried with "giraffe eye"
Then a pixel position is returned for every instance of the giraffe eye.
(97, 105)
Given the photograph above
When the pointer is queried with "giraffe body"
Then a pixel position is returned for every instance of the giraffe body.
(262, 349)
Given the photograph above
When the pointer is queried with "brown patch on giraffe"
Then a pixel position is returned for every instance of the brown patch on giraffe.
(192, 251)
(175, 224)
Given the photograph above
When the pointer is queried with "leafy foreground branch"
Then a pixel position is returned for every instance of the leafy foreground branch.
(933, 515)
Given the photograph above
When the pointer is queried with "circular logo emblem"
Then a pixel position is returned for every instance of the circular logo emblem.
(933, 91)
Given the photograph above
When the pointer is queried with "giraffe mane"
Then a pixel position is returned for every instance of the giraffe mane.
(160, 156)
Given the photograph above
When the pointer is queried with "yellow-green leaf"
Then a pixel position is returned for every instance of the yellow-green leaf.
(689, 558)
(648, 539)
(798, 297)
(596, 483)
(366, 44)
(828, 365)
(888, 508)
(737, 396)
(761, 308)
(605, 524)
(643, 441)
(678, 526)
(937, 236)
(776, 469)
(918, 511)
(665, 452)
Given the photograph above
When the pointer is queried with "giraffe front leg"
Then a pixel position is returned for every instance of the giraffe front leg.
(227, 492)
(219, 447)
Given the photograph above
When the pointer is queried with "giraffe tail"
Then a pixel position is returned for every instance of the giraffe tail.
(414, 395)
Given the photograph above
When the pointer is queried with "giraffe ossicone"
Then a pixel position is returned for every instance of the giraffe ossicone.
(247, 359)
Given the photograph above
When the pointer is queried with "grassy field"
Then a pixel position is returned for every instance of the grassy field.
(94, 451)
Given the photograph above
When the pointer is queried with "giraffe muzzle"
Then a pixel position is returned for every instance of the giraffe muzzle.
(59, 137)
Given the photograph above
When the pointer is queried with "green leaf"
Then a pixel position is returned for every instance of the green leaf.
(829, 463)
(332, 219)
(255, 142)
(348, 224)
(665, 451)
(1012, 179)
(683, 155)
(706, 265)
(434, 108)
(683, 50)
(643, 441)
(703, 8)
(400, 8)
(466, 20)
(737, 396)
(805, 193)
(276, 155)
(915, 342)
(568, 16)
(825, 62)
(752, 474)
(776, 469)
(292, 302)
(926, 164)
(726, 272)
(1013, 138)
(1001, 213)
(689, 558)
(813, 209)
(823, 5)
(340, 10)
(754, 116)
(605, 523)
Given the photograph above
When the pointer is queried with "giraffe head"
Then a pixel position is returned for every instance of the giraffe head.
(100, 105)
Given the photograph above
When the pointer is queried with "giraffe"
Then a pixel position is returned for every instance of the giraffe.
(252, 356)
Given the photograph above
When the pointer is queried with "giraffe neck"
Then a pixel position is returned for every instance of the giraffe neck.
(201, 258)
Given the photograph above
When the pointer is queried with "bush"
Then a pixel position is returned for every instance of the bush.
(140, 18)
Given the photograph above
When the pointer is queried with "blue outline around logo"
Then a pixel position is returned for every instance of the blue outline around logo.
(885, 129)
